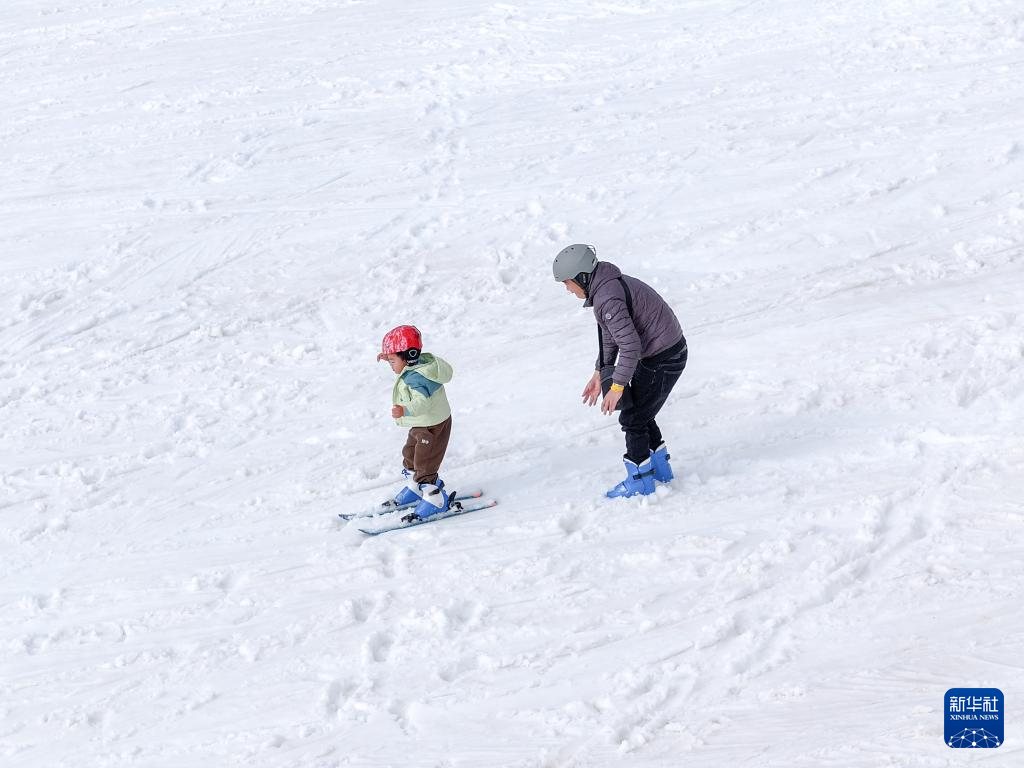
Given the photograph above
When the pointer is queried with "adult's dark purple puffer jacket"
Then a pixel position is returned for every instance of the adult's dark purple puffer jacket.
(652, 329)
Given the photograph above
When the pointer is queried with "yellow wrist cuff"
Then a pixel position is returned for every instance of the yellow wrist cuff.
(617, 388)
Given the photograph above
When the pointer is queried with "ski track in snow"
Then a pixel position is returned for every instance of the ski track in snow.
(212, 211)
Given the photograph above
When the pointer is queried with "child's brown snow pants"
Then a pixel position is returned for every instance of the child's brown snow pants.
(424, 450)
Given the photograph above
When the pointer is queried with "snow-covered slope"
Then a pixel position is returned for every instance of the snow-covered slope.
(211, 211)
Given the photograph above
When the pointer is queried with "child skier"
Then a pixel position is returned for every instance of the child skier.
(420, 403)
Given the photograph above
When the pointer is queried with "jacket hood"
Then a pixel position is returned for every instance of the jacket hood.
(431, 367)
(604, 272)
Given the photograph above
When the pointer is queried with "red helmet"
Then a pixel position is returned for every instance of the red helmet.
(404, 340)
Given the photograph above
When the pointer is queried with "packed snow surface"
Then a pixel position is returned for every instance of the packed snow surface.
(211, 211)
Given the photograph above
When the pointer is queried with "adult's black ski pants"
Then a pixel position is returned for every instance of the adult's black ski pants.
(651, 384)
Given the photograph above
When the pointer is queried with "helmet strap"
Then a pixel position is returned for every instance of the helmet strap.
(411, 355)
(583, 281)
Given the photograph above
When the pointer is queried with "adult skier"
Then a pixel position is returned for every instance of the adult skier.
(641, 355)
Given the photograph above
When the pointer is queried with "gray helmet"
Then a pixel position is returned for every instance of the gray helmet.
(573, 260)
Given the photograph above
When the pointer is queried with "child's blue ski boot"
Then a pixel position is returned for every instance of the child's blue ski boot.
(639, 480)
(662, 469)
(410, 494)
(434, 501)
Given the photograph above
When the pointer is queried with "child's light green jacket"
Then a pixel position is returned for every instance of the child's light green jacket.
(420, 390)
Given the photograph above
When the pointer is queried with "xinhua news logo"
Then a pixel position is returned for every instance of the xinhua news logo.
(974, 718)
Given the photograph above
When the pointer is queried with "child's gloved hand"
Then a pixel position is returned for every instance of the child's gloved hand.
(397, 411)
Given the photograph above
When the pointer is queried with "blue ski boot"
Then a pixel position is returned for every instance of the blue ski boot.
(662, 469)
(410, 494)
(639, 480)
(434, 501)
